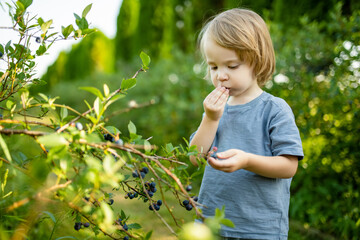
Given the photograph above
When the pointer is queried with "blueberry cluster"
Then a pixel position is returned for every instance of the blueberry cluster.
(78, 225)
(123, 224)
(187, 205)
(132, 195)
(150, 188)
(142, 173)
(155, 206)
(109, 137)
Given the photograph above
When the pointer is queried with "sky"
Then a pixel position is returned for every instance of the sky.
(102, 15)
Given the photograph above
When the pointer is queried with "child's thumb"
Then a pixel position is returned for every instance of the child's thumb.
(227, 154)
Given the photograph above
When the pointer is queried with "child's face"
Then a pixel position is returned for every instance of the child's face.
(227, 70)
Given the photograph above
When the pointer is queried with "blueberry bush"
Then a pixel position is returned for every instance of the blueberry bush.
(56, 157)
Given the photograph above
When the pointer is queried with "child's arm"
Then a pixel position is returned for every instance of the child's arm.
(283, 166)
(214, 105)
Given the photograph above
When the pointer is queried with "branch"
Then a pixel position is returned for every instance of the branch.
(18, 131)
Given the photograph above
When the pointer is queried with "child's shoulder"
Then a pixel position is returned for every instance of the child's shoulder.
(276, 103)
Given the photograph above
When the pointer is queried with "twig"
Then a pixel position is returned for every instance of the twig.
(146, 104)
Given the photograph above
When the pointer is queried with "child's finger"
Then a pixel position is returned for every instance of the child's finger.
(227, 154)
(216, 95)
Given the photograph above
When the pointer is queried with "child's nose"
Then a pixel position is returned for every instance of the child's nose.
(222, 75)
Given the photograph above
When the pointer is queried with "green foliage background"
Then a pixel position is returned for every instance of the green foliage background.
(317, 50)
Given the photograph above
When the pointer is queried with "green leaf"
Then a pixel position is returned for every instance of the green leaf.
(86, 10)
(40, 21)
(53, 140)
(26, 3)
(128, 83)
(7, 46)
(94, 91)
(45, 26)
(113, 130)
(44, 97)
(148, 235)
(132, 127)
(147, 147)
(67, 31)
(145, 60)
(169, 147)
(63, 113)
(77, 16)
(82, 23)
(5, 149)
(134, 226)
(106, 90)
(98, 107)
(9, 104)
(50, 215)
(42, 49)
(227, 222)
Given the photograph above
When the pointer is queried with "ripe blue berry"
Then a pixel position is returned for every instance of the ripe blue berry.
(145, 170)
(186, 202)
(109, 137)
(86, 224)
(188, 188)
(77, 226)
(142, 174)
(152, 184)
(150, 193)
(125, 227)
(1, 54)
(111, 201)
(126, 238)
(157, 207)
(189, 207)
(38, 39)
(135, 174)
(159, 202)
(195, 198)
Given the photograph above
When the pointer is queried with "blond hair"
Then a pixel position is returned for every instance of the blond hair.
(245, 32)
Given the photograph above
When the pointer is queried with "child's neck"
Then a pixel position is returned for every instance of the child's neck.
(245, 97)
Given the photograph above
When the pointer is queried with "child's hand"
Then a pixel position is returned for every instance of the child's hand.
(215, 102)
(234, 159)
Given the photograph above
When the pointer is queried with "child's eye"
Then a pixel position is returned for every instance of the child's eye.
(233, 67)
(213, 68)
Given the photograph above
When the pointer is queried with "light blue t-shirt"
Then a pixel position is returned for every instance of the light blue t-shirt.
(258, 206)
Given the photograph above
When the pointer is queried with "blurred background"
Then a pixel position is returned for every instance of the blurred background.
(317, 45)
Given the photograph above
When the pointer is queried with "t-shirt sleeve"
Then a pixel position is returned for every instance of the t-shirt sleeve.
(284, 134)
